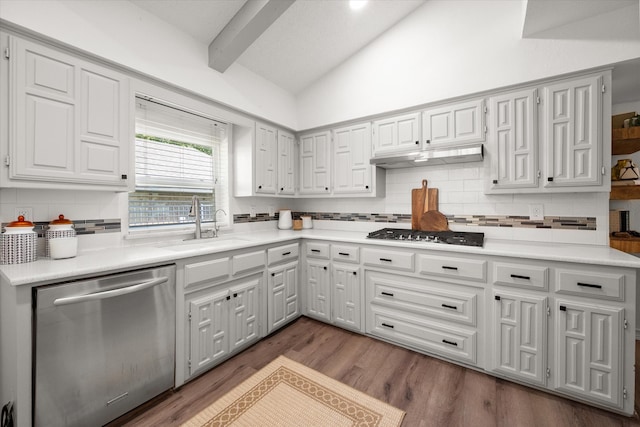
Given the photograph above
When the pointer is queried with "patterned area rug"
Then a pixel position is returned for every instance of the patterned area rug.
(285, 393)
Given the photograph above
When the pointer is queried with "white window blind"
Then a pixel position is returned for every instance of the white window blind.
(177, 154)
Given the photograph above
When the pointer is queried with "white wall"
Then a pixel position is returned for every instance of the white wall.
(447, 49)
(122, 32)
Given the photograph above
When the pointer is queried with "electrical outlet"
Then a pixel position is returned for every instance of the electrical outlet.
(272, 210)
(252, 211)
(536, 212)
(27, 213)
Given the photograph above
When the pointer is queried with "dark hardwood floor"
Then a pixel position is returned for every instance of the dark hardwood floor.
(431, 391)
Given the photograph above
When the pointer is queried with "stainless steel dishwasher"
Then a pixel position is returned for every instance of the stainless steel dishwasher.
(102, 346)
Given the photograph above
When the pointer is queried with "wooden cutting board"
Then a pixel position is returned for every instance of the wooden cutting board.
(424, 210)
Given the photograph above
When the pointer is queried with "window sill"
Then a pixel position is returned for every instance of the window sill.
(168, 231)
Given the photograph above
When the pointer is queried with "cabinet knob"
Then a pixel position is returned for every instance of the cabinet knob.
(354, 273)
(366, 186)
(123, 176)
(235, 295)
(228, 297)
(259, 187)
(550, 179)
(273, 274)
(417, 142)
(324, 268)
(495, 181)
(326, 188)
(281, 188)
(428, 141)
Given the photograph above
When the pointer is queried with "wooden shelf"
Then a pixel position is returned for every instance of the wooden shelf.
(625, 192)
(625, 141)
(625, 244)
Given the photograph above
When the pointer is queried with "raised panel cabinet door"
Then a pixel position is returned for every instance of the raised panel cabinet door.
(346, 298)
(396, 134)
(266, 159)
(318, 297)
(573, 123)
(282, 295)
(208, 330)
(245, 312)
(103, 145)
(43, 111)
(589, 351)
(352, 151)
(463, 122)
(315, 167)
(286, 163)
(520, 331)
(292, 307)
(513, 128)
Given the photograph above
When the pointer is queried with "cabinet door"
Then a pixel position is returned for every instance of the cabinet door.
(266, 159)
(286, 163)
(245, 312)
(520, 331)
(208, 330)
(318, 298)
(573, 141)
(454, 123)
(314, 163)
(397, 134)
(589, 352)
(346, 297)
(513, 127)
(69, 120)
(353, 172)
(282, 296)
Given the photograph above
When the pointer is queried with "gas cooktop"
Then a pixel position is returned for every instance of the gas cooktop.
(448, 237)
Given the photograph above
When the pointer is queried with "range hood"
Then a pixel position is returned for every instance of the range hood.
(436, 156)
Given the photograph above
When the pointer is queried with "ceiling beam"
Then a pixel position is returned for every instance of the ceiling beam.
(253, 19)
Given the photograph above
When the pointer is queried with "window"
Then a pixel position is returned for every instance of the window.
(178, 154)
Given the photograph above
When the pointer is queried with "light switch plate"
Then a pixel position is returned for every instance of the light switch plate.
(536, 212)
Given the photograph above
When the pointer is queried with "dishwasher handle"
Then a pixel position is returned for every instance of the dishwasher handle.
(112, 293)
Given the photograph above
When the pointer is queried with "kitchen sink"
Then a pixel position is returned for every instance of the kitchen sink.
(214, 243)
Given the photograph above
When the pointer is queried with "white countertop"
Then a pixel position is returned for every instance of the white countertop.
(122, 258)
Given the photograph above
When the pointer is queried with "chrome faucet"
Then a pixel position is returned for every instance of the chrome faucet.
(195, 211)
(216, 227)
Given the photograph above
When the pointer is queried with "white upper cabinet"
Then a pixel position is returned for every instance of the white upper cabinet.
(286, 163)
(315, 167)
(396, 134)
(454, 123)
(573, 132)
(513, 130)
(352, 151)
(266, 159)
(69, 119)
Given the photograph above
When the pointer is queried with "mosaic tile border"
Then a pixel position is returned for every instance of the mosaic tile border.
(82, 227)
(549, 222)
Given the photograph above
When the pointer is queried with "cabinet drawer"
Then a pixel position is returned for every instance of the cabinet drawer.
(422, 334)
(590, 284)
(282, 253)
(521, 276)
(317, 250)
(388, 259)
(422, 297)
(345, 253)
(210, 271)
(244, 263)
(460, 268)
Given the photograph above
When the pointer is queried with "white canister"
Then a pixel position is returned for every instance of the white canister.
(19, 242)
(307, 222)
(285, 222)
(63, 247)
(58, 228)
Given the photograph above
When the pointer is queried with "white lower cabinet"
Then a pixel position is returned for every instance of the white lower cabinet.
(317, 290)
(221, 320)
(519, 325)
(590, 351)
(346, 298)
(282, 295)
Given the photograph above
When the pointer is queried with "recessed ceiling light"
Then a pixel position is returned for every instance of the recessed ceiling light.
(357, 4)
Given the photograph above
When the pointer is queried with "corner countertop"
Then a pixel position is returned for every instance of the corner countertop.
(97, 262)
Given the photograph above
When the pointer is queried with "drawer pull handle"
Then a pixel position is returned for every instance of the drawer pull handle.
(563, 308)
(385, 259)
(589, 285)
(386, 325)
(452, 307)
(517, 276)
(343, 253)
(446, 267)
(450, 342)
(389, 294)
(315, 250)
(286, 253)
